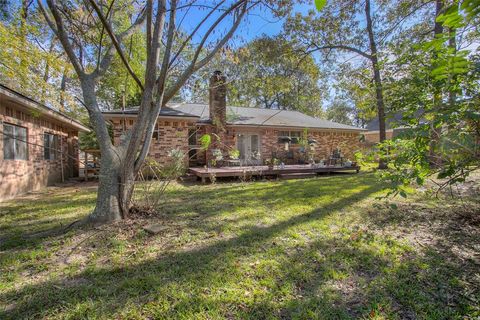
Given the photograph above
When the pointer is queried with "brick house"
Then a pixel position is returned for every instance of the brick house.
(256, 133)
(393, 127)
(38, 145)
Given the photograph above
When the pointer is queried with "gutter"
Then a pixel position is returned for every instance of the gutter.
(359, 130)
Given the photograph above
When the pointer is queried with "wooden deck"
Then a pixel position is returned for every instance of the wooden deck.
(265, 171)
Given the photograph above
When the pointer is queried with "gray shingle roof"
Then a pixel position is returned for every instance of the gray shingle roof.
(390, 121)
(393, 120)
(165, 111)
(249, 116)
(263, 117)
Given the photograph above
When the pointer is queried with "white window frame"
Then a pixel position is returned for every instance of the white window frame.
(52, 150)
(17, 139)
(295, 138)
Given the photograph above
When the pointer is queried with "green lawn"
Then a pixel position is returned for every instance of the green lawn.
(321, 248)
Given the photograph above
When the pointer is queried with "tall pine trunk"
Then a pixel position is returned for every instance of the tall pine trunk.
(436, 132)
(378, 81)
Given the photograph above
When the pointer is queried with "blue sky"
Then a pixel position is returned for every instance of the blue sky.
(259, 21)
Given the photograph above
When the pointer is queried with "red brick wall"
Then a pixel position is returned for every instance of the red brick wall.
(20, 176)
(172, 134)
(327, 141)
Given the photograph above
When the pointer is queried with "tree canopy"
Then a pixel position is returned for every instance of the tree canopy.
(269, 73)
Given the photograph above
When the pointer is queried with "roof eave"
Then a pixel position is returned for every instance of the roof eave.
(295, 127)
(116, 115)
(32, 104)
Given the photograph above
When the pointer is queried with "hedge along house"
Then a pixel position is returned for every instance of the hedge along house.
(38, 145)
(258, 134)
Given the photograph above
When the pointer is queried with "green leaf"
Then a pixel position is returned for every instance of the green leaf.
(319, 4)
(205, 141)
(420, 181)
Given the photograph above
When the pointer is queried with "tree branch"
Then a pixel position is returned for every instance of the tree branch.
(341, 47)
(145, 115)
(161, 87)
(194, 31)
(59, 29)
(194, 66)
(116, 42)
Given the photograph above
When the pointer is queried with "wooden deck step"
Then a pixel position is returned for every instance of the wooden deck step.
(287, 176)
(188, 177)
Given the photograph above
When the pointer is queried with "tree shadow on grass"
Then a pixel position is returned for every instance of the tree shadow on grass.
(372, 275)
(44, 219)
(169, 284)
(214, 200)
(27, 223)
(449, 242)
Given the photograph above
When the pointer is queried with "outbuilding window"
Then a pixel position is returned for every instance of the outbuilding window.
(50, 146)
(14, 142)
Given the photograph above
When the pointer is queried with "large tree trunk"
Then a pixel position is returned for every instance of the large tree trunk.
(115, 189)
(108, 207)
(378, 81)
(116, 178)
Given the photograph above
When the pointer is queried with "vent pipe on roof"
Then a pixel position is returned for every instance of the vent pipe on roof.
(218, 100)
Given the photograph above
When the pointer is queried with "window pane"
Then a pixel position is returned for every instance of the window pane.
(295, 134)
(8, 142)
(192, 137)
(46, 146)
(254, 143)
(50, 146)
(241, 145)
(20, 143)
(55, 146)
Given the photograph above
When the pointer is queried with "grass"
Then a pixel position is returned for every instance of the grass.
(321, 248)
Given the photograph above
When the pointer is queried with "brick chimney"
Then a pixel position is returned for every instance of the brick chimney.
(218, 101)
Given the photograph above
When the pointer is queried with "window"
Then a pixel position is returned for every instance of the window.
(14, 142)
(293, 135)
(156, 132)
(192, 136)
(50, 146)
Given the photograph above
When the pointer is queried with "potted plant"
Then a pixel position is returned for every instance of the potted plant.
(234, 154)
(269, 163)
(272, 162)
(217, 156)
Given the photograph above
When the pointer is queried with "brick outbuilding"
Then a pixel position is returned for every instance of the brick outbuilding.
(38, 145)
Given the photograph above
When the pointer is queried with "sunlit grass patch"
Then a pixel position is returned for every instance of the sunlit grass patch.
(315, 248)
